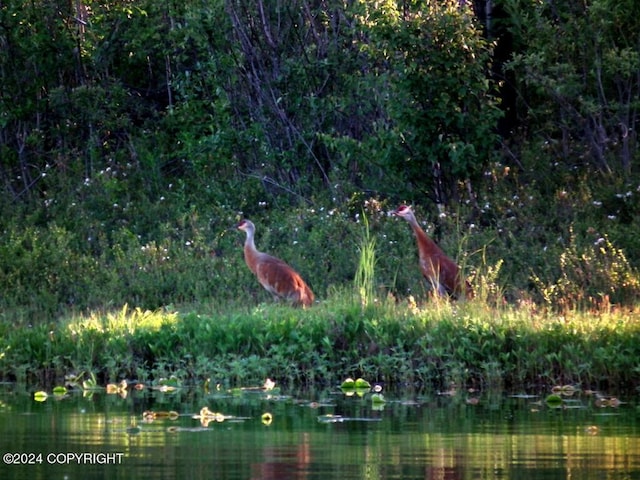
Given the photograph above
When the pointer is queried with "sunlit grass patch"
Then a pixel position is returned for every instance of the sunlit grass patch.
(433, 343)
(123, 321)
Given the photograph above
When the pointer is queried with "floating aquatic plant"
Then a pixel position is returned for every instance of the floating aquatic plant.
(351, 386)
(553, 400)
(267, 386)
(170, 384)
(266, 418)
(91, 383)
(40, 396)
(362, 383)
(59, 391)
(119, 388)
(349, 383)
(330, 418)
(150, 415)
(565, 390)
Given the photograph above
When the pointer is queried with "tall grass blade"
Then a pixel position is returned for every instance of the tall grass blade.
(364, 280)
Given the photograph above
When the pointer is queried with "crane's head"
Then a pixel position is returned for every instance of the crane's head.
(246, 225)
(403, 211)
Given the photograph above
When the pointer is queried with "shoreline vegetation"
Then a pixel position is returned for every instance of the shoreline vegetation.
(578, 322)
(438, 345)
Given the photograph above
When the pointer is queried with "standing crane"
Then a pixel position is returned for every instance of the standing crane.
(438, 269)
(274, 275)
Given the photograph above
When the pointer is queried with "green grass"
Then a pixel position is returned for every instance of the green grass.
(436, 345)
(364, 280)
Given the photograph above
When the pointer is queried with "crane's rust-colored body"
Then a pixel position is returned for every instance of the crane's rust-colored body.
(274, 275)
(438, 269)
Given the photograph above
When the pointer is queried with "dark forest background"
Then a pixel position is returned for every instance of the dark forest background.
(134, 134)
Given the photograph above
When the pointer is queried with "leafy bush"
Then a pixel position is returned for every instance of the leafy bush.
(576, 66)
(443, 110)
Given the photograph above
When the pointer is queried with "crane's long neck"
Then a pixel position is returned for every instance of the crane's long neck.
(426, 246)
(249, 242)
(250, 252)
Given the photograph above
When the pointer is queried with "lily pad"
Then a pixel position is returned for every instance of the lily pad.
(40, 396)
(348, 384)
(330, 418)
(266, 418)
(362, 383)
(360, 387)
(565, 390)
(170, 384)
(554, 400)
(59, 391)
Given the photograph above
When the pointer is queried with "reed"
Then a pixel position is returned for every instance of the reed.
(364, 280)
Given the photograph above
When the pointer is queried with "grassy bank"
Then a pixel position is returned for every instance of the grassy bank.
(437, 345)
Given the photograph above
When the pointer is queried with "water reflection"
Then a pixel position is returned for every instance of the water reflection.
(429, 437)
(291, 461)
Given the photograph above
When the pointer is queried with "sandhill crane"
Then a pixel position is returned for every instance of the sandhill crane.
(438, 269)
(274, 275)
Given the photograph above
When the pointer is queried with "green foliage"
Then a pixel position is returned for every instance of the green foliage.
(205, 96)
(41, 272)
(577, 68)
(398, 344)
(83, 265)
(441, 103)
(294, 84)
(594, 276)
(364, 281)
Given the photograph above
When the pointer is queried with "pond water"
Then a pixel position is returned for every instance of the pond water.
(316, 435)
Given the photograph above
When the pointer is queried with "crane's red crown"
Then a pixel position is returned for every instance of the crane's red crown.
(402, 209)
